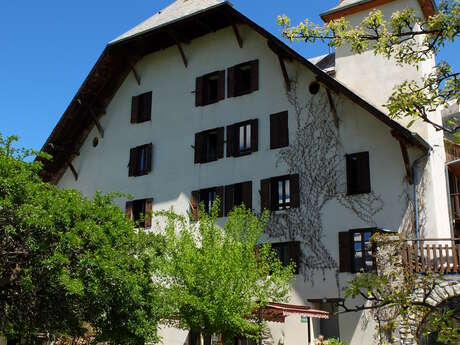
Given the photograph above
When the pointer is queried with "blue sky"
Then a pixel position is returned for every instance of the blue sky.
(48, 47)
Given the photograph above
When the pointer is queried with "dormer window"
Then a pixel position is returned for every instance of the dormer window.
(243, 78)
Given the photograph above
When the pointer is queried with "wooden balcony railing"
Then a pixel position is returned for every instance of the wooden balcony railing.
(432, 255)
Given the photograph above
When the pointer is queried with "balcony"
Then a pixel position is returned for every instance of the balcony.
(438, 255)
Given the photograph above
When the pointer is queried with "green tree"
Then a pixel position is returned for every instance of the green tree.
(407, 38)
(67, 261)
(220, 277)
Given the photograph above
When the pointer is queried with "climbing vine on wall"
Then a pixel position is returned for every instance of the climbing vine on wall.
(317, 155)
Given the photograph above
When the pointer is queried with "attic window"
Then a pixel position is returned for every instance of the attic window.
(141, 108)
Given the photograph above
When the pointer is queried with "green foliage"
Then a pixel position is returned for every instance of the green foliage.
(67, 261)
(219, 277)
(409, 39)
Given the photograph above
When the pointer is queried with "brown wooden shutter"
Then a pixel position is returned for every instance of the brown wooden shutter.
(148, 212)
(132, 161)
(195, 205)
(265, 195)
(254, 75)
(231, 82)
(199, 147)
(247, 194)
(148, 106)
(129, 209)
(199, 91)
(350, 187)
(364, 173)
(294, 254)
(231, 140)
(345, 252)
(134, 109)
(284, 129)
(220, 195)
(221, 86)
(149, 157)
(229, 199)
(295, 191)
(221, 142)
(274, 132)
(254, 135)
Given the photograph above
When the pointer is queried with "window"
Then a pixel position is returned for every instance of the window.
(194, 338)
(358, 173)
(279, 130)
(328, 328)
(242, 138)
(237, 195)
(140, 160)
(141, 108)
(280, 193)
(139, 211)
(210, 88)
(357, 251)
(243, 78)
(288, 252)
(207, 197)
(209, 145)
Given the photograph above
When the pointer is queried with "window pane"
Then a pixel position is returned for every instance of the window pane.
(357, 237)
(248, 137)
(142, 160)
(367, 236)
(280, 193)
(288, 192)
(242, 144)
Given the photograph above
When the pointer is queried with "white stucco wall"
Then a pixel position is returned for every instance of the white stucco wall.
(175, 120)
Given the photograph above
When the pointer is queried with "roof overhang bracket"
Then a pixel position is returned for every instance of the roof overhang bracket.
(281, 57)
(236, 31)
(72, 169)
(178, 40)
(136, 75)
(405, 154)
(94, 117)
(335, 115)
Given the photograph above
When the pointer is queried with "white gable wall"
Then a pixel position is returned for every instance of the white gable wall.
(175, 120)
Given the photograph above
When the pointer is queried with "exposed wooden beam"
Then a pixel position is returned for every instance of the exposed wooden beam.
(94, 117)
(333, 108)
(65, 149)
(287, 82)
(136, 75)
(278, 50)
(236, 31)
(72, 169)
(403, 143)
(175, 37)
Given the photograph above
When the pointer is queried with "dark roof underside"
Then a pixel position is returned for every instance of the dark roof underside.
(115, 64)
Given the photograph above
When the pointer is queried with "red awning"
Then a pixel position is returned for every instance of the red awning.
(277, 312)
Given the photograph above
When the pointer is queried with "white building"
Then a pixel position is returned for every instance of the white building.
(198, 101)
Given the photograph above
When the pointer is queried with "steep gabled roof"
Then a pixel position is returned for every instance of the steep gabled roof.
(159, 32)
(178, 10)
(348, 7)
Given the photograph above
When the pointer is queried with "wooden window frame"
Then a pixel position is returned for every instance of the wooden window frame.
(364, 250)
(231, 193)
(234, 76)
(233, 138)
(201, 145)
(201, 195)
(270, 194)
(360, 184)
(294, 252)
(136, 155)
(139, 114)
(147, 212)
(202, 92)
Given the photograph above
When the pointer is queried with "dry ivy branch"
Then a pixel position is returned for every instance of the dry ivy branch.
(316, 154)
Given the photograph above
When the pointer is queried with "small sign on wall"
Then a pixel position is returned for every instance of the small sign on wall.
(303, 319)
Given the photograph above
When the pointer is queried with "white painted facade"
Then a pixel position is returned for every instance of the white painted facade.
(175, 120)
